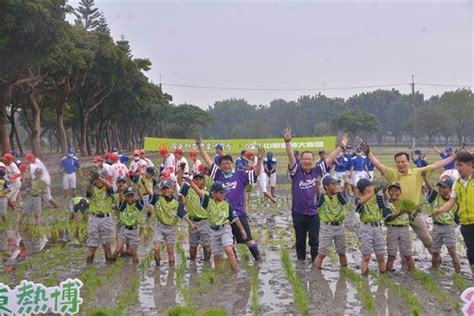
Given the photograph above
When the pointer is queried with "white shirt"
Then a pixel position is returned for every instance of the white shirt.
(119, 170)
(170, 162)
(12, 170)
(106, 169)
(137, 166)
(180, 161)
(39, 164)
(196, 165)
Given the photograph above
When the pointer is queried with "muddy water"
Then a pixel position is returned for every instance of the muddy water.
(329, 292)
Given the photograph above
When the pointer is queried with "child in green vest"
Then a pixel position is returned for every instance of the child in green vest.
(145, 185)
(99, 192)
(332, 212)
(463, 194)
(371, 210)
(37, 190)
(168, 211)
(130, 212)
(4, 191)
(398, 229)
(443, 223)
(221, 215)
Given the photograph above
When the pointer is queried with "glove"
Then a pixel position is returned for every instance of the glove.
(94, 175)
(364, 147)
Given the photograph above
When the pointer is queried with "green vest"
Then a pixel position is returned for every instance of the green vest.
(193, 205)
(3, 186)
(332, 210)
(370, 212)
(465, 198)
(445, 217)
(131, 215)
(402, 220)
(218, 212)
(100, 202)
(145, 183)
(167, 212)
(38, 187)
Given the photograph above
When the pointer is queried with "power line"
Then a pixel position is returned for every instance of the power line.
(313, 89)
(281, 89)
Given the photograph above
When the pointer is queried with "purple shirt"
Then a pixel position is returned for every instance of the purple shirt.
(235, 184)
(303, 189)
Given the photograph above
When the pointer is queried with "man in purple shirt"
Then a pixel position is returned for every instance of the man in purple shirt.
(304, 178)
(235, 181)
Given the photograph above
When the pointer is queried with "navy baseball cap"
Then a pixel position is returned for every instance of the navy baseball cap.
(418, 151)
(243, 152)
(219, 146)
(129, 191)
(447, 183)
(363, 183)
(322, 152)
(218, 187)
(328, 180)
(199, 174)
(449, 149)
(121, 178)
(150, 170)
(166, 184)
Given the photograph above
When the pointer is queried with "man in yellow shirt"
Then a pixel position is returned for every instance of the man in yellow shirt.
(411, 181)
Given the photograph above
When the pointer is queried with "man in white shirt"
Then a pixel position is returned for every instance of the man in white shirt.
(180, 159)
(169, 160)
(119, 168)
(36, 163)
(14, 178)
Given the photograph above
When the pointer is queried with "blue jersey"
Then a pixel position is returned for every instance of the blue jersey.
(421, 162)
(270, 164)
(341, 164)
(449, 166)
(370, 166)
(70, 164)
(358, 162)
(349, 161)
(241, 164)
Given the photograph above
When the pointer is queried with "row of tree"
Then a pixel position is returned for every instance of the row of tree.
(75, 86)
(384, 116)
(70, 84)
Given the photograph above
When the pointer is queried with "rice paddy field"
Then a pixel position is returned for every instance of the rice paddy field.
(279, 285)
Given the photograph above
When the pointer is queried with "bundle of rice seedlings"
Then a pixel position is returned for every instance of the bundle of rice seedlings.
(407, 205)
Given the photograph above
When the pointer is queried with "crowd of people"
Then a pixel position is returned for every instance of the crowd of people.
(210, 194)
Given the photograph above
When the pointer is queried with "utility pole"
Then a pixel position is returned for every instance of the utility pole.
(413, 142)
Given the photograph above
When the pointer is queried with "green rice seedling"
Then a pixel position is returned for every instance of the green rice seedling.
(91, 282)
(145, 263)
(299, 292)
(130, 296)
(460, 282)
(407, 205)
(102, 311)
(401, 291)
(255, 288)
(181, 311)
(207, 276)
(368, 301)
(244, 255)
(214, 312)
(432, 287)
(180, 271)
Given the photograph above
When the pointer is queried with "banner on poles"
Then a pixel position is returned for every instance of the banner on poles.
(235, 146)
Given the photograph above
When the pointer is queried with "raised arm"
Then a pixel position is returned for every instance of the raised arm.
(207, 160)
(287, 137)
(342, 146)
(441, 163)
(446, 206)
(437, 149)
(366, 149)
(194, 186)
(258, 168)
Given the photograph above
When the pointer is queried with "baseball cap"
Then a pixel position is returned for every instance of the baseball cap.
(447, 183)
(417, 151)
(30, 157)
(363, 183)
(163, 151)
(129, 191)
(321, 152)
(348, 147)
(449, 149)
(242, 153)
(199, 174)
(150, 170)
(70, 151)
(395, 185)
(8, 157)
(202, 168)
(219, 146)
(192, 153)
(142, 151)
(114, 157)
(97, 159)
(178, 150)
(121, 178)
(166, 184)
(218, 187)
(328, 180)
(248, 154)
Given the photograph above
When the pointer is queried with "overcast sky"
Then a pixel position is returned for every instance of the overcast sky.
(296, 45)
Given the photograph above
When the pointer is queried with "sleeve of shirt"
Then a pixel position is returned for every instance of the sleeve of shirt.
(426, 169)
(215, 171)
(185, 189)
(121, 205)
(358, 206)
(110, 191)
(181, 210)
(139, 204)
(77, 163)
(432, 196)
(320, 200)
(386, 211)
(341, 198)
(294, 169)
(232, 214)
(154, 199)
(390, 175)
(205, 201)
(453, 191)
(89, 194)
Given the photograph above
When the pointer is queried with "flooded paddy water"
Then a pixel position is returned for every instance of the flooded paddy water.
(279, 285)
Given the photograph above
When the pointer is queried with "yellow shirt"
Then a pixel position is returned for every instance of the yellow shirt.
(411, 182)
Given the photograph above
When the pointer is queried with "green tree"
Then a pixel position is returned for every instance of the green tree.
(356, 123)
(87, 15)
(103, 26)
